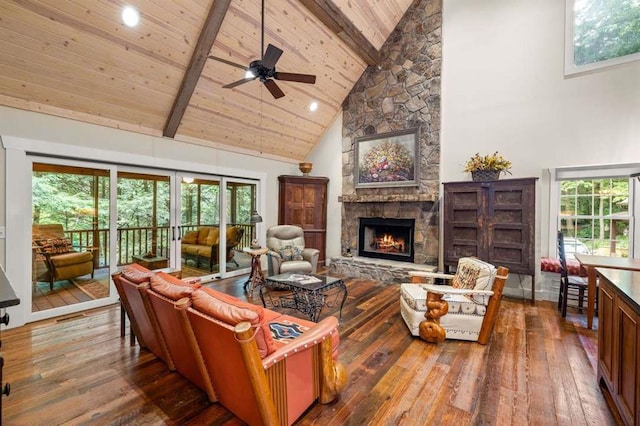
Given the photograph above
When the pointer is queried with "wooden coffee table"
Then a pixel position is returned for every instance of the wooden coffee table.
(306, 297)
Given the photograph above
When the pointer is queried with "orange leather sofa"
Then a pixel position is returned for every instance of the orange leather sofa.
(265, 367)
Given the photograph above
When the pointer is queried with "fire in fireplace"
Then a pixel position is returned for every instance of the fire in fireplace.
(385, 238)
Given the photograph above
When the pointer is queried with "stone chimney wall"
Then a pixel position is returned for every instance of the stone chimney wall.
(402, 92)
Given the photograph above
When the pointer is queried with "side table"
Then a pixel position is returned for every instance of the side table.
(256, 277)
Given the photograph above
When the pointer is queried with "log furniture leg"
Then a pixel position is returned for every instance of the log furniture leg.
(430, 329)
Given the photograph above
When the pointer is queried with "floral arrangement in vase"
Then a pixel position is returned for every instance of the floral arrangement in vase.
(487, 167)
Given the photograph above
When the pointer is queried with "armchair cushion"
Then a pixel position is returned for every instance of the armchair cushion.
(137, 274)
(170, 290)
(190, 237)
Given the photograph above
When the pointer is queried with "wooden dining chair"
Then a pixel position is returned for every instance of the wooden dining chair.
(572, 287)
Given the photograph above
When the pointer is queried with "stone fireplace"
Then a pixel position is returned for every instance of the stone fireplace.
(386, 238)
(402, 92)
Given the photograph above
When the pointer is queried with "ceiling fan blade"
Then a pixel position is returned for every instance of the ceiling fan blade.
(271, 56)
(274, 89)
(238, 83)
(300, 78)
(224, 61)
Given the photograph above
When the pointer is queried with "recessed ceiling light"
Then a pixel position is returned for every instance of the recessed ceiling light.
(130, 16)
(313, 106)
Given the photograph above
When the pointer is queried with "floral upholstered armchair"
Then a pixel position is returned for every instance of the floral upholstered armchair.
(287, 252)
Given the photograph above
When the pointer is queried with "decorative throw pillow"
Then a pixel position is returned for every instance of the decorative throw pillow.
(290, 252)
(55, 245)
(466, 276)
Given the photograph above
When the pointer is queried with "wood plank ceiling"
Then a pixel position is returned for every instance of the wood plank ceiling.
(76, 59)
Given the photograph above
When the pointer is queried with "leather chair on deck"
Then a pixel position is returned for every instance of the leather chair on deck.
(465, 310)
(287, 252)
(62, 260)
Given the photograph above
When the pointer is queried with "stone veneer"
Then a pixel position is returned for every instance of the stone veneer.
(384, 271)
(402, 92)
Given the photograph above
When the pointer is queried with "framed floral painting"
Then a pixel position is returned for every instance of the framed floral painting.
(387, 159)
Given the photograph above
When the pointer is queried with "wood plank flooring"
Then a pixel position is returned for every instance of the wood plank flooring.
(538, 369)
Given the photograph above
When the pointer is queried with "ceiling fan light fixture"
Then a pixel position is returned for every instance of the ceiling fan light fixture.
(248, 74)
(313, 106)
(130, 16)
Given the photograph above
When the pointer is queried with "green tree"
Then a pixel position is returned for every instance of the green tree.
(605, 29)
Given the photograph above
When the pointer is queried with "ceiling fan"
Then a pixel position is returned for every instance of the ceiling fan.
(265, 68)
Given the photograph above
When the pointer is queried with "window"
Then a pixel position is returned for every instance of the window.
(601, 33)
(594, 216)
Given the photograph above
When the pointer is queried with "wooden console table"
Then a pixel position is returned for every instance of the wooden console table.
(619, 340)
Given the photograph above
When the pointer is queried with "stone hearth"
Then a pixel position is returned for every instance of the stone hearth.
(384, 271)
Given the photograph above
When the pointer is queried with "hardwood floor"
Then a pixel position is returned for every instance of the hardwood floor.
(538, 369)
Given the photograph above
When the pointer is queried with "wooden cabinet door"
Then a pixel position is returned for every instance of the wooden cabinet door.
(510, 220)
(625, 383)
(464, 223)
(606, 333)
(303, 202)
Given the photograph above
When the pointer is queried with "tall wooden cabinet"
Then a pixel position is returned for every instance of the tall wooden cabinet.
(492, 220)
(303, 202)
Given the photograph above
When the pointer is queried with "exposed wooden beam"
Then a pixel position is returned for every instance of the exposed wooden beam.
(329, 14)
(196, 65)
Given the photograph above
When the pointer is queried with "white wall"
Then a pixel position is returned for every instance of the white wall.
(327, 161)
(503, 89)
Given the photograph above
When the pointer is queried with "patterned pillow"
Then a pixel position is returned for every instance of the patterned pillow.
(290, 252)
(55, 245)
(466, 276)
(483, 274)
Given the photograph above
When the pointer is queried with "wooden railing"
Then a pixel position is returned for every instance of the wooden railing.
(138, 241)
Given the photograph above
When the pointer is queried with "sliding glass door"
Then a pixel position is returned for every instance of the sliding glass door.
(144, 220)
(90, 220)
(70, 250)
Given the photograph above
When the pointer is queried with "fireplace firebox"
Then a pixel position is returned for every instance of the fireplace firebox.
(386, 238)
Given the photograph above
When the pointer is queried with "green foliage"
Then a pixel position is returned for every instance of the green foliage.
(595, 211)
(68, 199)
(605, 29)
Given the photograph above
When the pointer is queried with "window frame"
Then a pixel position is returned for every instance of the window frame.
(570, 68)
(592, 172)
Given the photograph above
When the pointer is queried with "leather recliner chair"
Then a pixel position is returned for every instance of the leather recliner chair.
(287, 252)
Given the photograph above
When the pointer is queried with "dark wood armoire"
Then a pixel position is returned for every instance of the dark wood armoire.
(493, 221)
(303, 202)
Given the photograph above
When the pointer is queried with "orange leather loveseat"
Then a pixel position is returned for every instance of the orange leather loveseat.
(265, 367)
